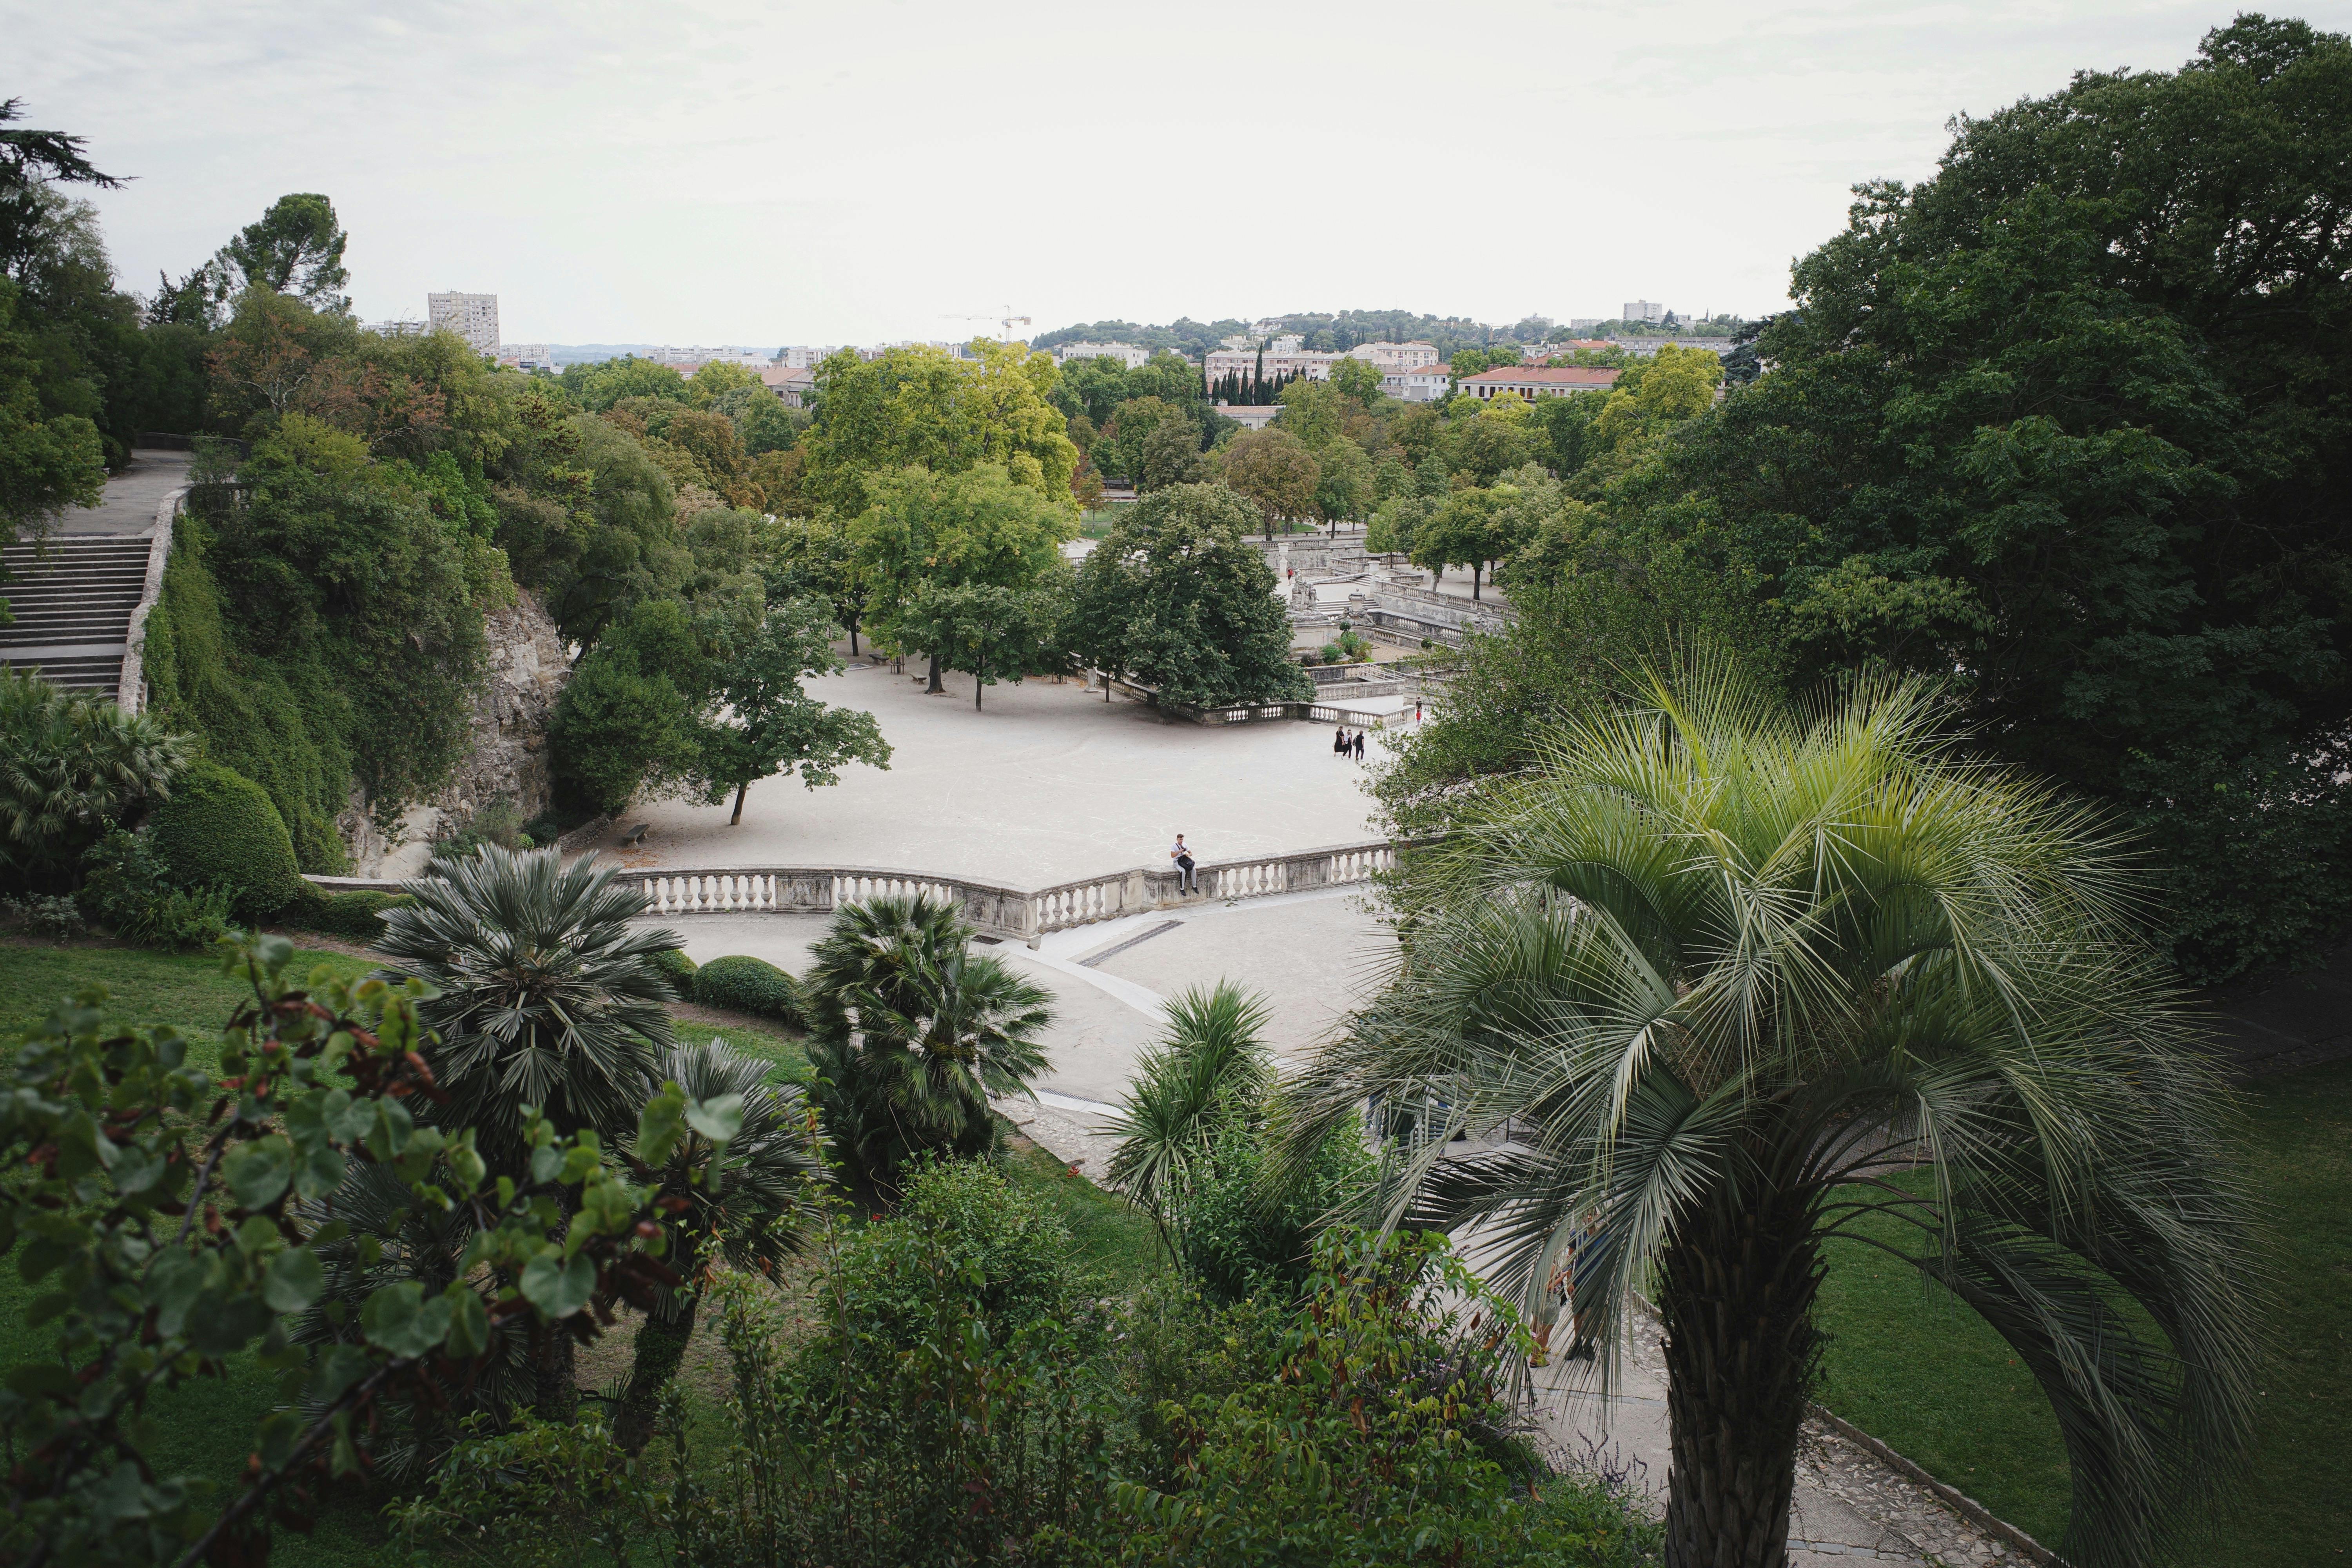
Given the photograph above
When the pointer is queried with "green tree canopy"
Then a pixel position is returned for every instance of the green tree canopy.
(296, 248)
(923, 407)
(925, 532)
(761, 722)
(2061, 426)
(1273, 471)
(1176, 596)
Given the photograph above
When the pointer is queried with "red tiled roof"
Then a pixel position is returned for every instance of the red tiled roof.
(1545, 375)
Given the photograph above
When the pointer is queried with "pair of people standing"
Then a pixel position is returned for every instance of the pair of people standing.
(1344, 745)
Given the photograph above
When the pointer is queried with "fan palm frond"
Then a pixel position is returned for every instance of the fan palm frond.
(1731, 977)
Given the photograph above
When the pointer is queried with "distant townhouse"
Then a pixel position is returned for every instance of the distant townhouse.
(1541, 352)
(528, 356)
(803, 356)
(1532, 382)
(1127, 355)
(1422, 383)
(1396, 356)
(791, 384)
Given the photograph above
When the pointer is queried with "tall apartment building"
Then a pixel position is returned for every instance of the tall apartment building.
(473, 317)
(1643, 310)
(804, 356)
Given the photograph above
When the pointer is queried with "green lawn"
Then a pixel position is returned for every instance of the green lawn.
(1113, 1238)
(1928, 1378)
(183, 989)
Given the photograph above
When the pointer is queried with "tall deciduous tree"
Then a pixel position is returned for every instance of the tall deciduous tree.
(763, 724)
(923, 407)
(2064, 427)
(927, 532)
(989, 631)
(1273, 471)
(1178, 597)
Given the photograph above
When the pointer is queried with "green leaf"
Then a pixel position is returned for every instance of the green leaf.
(42, 1380)
(470, 1323)
(256, 1172)
(294, 1282)
(718, 1119)
(173, 1283)
(321, 1174)
(398, 1319)
(555, 1287)
(661, 1124)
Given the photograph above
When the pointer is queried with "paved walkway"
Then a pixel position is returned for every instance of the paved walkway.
(132, 496)
(1850, 1507)
(1047, 783)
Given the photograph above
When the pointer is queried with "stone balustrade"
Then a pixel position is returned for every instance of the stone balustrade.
(993, 909)
(1000, 912)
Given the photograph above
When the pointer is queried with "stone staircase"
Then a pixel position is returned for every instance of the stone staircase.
(74, 600)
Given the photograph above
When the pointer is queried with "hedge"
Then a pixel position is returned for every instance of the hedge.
(355, 917)
(672, 962)
(220, 827)
(751, 985)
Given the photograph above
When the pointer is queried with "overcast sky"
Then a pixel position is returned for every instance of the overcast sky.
(795, 173)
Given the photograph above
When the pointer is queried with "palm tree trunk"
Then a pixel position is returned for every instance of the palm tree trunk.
(1737, 1291)
(660, 1347)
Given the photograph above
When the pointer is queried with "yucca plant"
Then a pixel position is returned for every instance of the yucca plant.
(750, 1213)
(1732, 978)
(71, 766)
(1207, 1071)
(910, 1033)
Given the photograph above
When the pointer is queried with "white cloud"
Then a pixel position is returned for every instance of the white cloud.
(801, 172)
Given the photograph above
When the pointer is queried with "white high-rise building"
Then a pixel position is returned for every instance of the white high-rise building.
(1643, 310)
(804, 356)
(473, 317)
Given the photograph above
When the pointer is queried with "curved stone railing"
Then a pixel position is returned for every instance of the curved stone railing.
(1018, 913)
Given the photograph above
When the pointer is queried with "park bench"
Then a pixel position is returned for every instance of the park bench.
(637, 835)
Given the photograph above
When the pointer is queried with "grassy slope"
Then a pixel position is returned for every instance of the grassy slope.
(1931, 1379)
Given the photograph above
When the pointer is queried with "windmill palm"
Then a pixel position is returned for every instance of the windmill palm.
(1739, 979)
(910, 1033)
(749, 1210)
(1209, 1071)
(547, 996)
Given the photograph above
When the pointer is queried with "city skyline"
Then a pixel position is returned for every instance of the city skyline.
(719, 174)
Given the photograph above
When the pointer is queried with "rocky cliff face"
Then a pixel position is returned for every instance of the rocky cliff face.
(524, 671)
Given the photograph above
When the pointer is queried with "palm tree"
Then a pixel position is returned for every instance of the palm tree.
(71, 766)
(910, 1034)
(1735, 978)
(749, 1211)
(546, 998)
(1209, 1071)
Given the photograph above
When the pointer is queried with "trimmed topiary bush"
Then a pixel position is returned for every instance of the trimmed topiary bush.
(751, 985)
(672, 962)
(355, 917)
(219, 827)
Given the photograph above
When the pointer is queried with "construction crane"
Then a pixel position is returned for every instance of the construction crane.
(1004, 322)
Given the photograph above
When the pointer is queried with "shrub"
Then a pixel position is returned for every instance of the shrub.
(355, 917)
(1237, 1235)
(71, 766)
(219, 828)
(127, 887)
(751, 985)
(44, 914)
(672, 962)
(1007, 1246)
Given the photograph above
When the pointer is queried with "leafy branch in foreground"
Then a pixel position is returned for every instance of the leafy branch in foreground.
(172, 1218)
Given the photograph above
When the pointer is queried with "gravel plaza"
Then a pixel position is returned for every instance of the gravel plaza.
(1047, 783)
